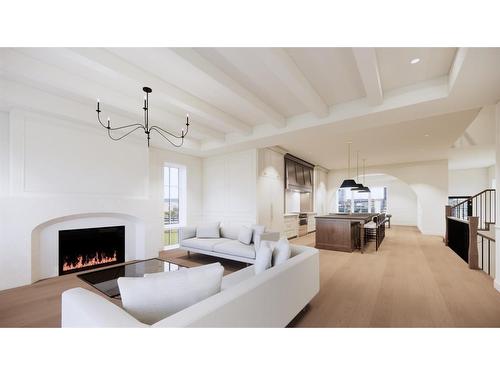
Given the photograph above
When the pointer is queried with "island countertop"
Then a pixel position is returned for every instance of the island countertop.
(356, 217)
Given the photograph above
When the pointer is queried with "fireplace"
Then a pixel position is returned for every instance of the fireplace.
(84, 249)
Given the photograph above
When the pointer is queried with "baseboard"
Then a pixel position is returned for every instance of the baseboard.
(496, 284)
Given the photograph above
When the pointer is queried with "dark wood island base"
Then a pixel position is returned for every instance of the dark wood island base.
(341, 232)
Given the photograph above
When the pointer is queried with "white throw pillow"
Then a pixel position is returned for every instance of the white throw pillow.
(150, 299)
(258, 230)
(263, 257)
(229, 231)
(245, 235)
(281, 252)
(211, 230)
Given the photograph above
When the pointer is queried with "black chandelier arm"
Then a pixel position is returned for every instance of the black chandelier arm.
(119, 127)
(155, 128)
(138, 126)
(158, 129)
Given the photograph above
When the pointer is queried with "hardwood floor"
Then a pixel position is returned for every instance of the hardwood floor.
(412, 281)
(39, 304)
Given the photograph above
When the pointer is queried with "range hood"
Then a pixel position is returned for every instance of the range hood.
(298, 174)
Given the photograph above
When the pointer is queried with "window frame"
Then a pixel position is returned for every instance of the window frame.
(350, 198)
(181, 194)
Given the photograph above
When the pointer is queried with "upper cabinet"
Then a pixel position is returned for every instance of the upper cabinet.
(298, 174)
(271, 164)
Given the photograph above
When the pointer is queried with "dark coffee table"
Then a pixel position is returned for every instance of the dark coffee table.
(105, 280)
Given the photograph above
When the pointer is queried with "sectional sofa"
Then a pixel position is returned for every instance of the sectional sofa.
(226, 246)
(269, 299)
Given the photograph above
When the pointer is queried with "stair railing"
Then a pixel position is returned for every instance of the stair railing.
(482, 205)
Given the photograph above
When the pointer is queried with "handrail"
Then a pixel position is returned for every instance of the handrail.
(485, 236)
(471, 198)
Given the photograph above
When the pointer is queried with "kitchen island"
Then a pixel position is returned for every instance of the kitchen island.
(342, 232)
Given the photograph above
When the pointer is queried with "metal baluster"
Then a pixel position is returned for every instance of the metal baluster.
(482, 252)
(480, 209)
(489, 256)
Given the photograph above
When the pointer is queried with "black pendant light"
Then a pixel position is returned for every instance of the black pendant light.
(348, 183)
(365, 189)
(359, 187)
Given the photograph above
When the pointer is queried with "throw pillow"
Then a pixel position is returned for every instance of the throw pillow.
(210, 230)
(263, 257)
(281, 252)
(229, 231)
(150, 299)
(245, 235)
(258, 230)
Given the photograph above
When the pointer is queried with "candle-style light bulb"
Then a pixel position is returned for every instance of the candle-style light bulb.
(98, 104)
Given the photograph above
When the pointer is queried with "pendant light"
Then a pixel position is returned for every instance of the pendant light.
(348, 183)
(359, 187)
(365, 189)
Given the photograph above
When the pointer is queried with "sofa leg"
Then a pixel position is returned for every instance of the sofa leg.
(189, 254)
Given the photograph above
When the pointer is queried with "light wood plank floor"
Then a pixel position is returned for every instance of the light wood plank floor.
(412, 281)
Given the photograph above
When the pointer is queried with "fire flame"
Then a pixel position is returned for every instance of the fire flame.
(90, 262)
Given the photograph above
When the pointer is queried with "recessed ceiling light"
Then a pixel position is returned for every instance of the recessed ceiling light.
(415, 61)
(426, 135)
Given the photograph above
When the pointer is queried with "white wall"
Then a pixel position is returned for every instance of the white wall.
(4, 153)
(63, 169)
(468, 181)
(497, 173)
(429, 181)
(492, 179)
(230, 188)
(401, 199)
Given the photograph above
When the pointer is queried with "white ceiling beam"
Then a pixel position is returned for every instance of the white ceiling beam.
(218, 75)
(24, 97)
(56, 80)
(285, 69)
(456, 67)
(164, 90)
(366, 60)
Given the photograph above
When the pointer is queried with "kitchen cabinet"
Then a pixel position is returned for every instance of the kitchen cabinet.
(270, 190)
(311, 222)
(291, 225)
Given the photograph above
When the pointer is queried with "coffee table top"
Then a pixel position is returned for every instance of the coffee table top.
(105, 280)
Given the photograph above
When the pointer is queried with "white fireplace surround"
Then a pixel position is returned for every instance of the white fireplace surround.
(45, 239)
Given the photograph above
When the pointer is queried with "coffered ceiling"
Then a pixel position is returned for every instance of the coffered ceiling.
(255, 97)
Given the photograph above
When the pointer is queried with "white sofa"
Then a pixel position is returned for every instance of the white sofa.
(227, 246)
(270, 299)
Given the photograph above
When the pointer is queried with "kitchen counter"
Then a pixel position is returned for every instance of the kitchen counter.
(291, 214)
(342, 232)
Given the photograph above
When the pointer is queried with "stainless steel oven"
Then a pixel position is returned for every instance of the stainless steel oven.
(302, 224)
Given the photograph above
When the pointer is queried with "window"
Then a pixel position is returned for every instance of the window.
(171, 196)
(174, 187)
(361, 202)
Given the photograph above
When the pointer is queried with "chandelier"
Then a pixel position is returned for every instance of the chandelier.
(175, 140)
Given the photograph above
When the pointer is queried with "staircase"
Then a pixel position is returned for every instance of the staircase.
(469, 230)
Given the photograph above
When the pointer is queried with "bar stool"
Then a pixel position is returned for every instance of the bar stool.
(371, 230)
